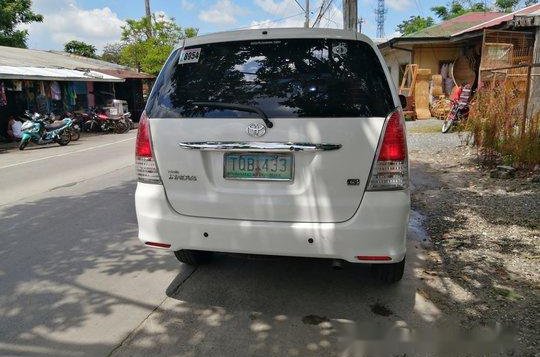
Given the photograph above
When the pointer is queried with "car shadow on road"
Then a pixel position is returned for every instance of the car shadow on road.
(263, 305)
(69, 262)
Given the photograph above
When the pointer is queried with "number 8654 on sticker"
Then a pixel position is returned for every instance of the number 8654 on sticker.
(191, 55)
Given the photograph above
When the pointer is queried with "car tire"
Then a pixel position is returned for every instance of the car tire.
(388, 273)
(193, 257)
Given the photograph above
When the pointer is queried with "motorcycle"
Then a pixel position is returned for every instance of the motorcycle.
(103, 122)
(75, 129)
(37, 131)
(460, 108)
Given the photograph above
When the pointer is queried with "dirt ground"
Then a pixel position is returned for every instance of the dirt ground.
(483, 263)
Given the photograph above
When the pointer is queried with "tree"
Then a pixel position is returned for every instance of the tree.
(112, 52)
(80, 48)
(456, 8)
(414, 24)
(506, 5)
(148, 52)
(530, 2)
(12, 14)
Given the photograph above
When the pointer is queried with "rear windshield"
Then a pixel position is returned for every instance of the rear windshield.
(284, 78)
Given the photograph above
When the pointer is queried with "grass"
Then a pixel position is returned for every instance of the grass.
(435, 128)
(501, 131)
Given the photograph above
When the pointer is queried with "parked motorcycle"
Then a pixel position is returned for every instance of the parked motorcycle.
(460, 108)
(37, 131)
(103, 122)
(76, 127)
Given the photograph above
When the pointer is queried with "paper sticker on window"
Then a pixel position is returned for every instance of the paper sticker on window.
(340, 49)
(190, 56)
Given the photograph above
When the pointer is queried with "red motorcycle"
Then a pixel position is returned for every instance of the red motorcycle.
(460, 107)
(100, 121)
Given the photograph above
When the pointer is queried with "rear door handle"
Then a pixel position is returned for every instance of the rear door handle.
(255, 146)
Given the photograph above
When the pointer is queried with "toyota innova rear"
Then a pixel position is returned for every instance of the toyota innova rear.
(279, 142)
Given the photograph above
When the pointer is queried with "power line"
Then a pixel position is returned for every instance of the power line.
(273, 20)
(297, 3)
(419, 6)
(325, 6)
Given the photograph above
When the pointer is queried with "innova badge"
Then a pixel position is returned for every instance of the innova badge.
(256, 130)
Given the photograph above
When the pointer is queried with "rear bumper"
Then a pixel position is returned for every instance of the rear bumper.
(377, 229)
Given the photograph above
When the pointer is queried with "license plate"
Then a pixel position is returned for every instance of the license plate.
(258, 166)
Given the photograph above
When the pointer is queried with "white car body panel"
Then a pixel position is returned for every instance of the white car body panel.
(377, 229)
(318, 193)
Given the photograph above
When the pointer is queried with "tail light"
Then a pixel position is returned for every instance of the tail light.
(390, 169)
(147, 171)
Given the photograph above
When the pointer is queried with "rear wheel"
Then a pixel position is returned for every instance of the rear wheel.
(23, 144)
(193, 257)
(64, 138)
(75, 134)
(388, 273)
(121, 127)
(91, 126)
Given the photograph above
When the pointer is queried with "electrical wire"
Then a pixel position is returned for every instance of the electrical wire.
(297, 3)
(419, 6)
(322, 12)
(273, 20)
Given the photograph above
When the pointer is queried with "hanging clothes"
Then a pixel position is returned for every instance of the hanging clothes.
(56, 92)
(72, 95)
(17, 86)
(41, 88)
(3, 97)
(42, 104)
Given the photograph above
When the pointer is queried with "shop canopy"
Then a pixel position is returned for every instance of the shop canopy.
(55, 74)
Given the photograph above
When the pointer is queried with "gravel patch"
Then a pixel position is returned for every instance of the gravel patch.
(483, 264)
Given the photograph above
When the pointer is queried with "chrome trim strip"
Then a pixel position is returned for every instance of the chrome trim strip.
(254, 146)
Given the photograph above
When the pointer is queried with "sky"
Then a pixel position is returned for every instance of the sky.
(99, 21)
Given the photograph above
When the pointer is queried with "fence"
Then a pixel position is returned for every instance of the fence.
(505, 119)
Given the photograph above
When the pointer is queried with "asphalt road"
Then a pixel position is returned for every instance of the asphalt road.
(74, 280)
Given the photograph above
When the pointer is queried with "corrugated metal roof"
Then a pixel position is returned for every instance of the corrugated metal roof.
(499, 20)
(453, 26)
(127, 74)
(22, 57)
(55, 74)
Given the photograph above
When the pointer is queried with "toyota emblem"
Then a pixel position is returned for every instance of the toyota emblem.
(256, 130)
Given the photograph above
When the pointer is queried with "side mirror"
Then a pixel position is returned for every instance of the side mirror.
(403, 101)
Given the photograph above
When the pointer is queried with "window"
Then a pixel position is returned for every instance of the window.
(285, 78)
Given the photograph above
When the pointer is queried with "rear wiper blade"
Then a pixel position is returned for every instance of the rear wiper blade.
(233, 106)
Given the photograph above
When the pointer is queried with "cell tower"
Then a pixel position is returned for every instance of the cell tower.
(381, 17)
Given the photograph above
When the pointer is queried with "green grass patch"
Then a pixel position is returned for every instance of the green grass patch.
(434, 128)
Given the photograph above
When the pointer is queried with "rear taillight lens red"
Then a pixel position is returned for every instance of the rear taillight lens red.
(147, 171)
(143, 146)
(394, 144)
(390, 169)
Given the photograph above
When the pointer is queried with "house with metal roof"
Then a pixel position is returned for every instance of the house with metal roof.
(54, 81)
(439, 46)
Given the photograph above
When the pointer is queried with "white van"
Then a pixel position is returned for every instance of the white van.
(280, 142)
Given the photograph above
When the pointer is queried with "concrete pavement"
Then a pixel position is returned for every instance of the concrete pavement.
(76, 282)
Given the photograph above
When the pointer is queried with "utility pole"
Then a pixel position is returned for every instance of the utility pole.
(306, 23)
(350, 14)
(149, 33)
(147, 7)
